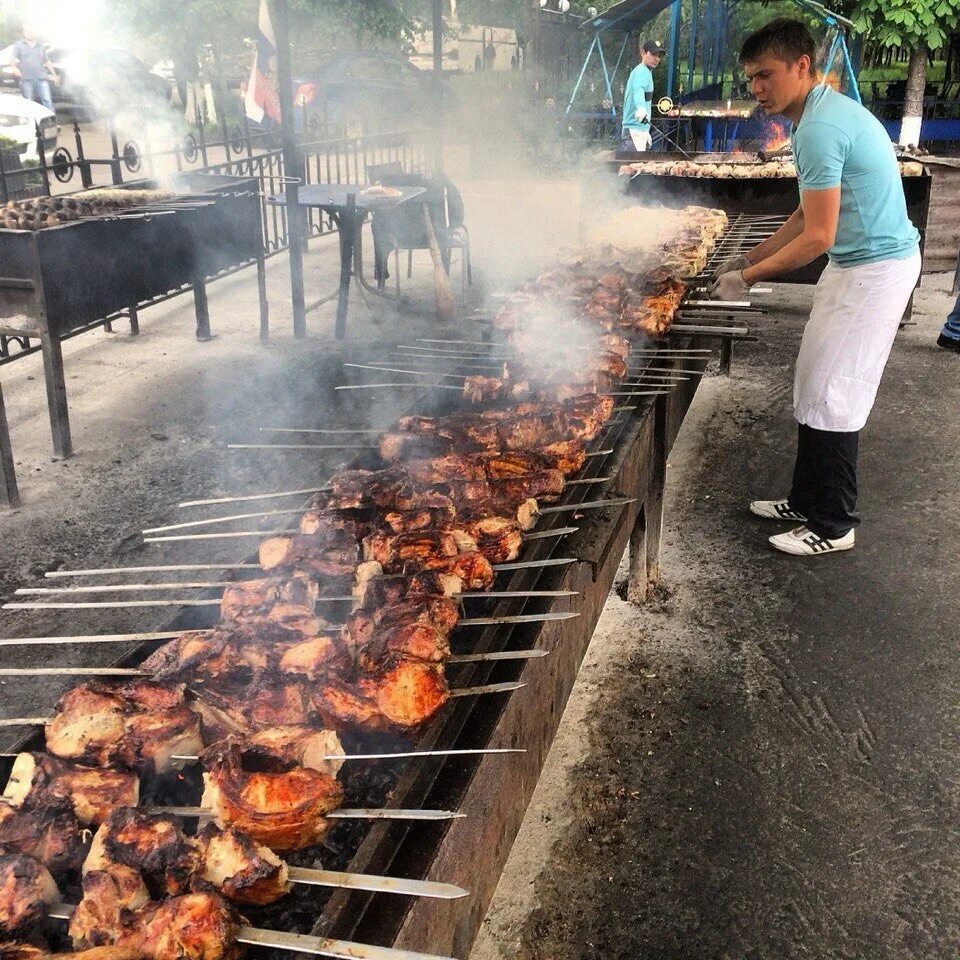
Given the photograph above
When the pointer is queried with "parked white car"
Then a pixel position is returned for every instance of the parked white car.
(19, 118)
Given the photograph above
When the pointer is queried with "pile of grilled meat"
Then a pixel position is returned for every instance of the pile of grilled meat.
(260, 700)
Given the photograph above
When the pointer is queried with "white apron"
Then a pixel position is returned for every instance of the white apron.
(855, 316)
(642, 140)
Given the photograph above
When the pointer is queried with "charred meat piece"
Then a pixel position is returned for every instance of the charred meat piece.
(473, 569)
(425, 511)
(497, 538)
(277, 600)
(525, 514)
(414, 641)
(393, 553)
(243, 870)
(156, 847)
(38, 780)
(197, 926)
(279, 805)
(109, 897)
(26, 890)
(546, 486)
(300, 746)
(317, 555)
(385, 590)
(234, 711)
(399, 694)
(50, 835)
(138, 726)
(407, 693)
(451, 468)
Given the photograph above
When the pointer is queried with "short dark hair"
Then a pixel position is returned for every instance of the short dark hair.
(784, 38)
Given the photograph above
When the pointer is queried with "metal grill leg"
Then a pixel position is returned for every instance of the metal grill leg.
(264, 303)
(647, 533)
(9, 495)
(56, 395)
(726, 355)
(203, 311)
(134, 322)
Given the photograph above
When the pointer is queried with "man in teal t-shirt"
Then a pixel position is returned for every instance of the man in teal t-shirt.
(852, 208)
(638, 98)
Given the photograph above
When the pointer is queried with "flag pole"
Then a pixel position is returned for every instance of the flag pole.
(438, 83)
(293, 166)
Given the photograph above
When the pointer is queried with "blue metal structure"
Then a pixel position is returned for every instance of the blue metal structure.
(627, 16)
(624, 18)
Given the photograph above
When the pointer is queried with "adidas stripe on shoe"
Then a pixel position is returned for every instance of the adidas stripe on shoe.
(801, 542)
(775, 510)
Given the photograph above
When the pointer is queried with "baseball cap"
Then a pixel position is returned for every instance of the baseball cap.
(653, 46)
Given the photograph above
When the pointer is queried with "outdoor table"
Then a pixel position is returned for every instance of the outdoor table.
(348, 206)
(710, 110)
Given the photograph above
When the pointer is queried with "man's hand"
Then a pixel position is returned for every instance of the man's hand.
(733, 263)
(731, 287)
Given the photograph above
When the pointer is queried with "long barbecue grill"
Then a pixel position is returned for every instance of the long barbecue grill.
(493, 791)
(62, 280)
(768, 201)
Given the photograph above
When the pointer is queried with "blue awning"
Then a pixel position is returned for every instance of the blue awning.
(626, 15)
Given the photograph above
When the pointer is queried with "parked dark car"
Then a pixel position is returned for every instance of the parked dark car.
(349, 93)
(92, 79)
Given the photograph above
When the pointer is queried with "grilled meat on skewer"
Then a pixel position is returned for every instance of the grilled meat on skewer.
(38, 780)
(197, 926)
(171, 863)
(282, 807)
(402, 694)
(314, 554)
(166, 859)
(50, 835)
(279, 600)
(137, 725)
(26, 890)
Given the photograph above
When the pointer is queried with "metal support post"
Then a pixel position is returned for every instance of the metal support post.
(116, 174)
(293, 167)
(134, 316)
(85, 176)
(264, 303)
(9, 494)
(647, 533)
(726, 355)
(203, 310)
(438, 84)
(56, 394)
(673, 50)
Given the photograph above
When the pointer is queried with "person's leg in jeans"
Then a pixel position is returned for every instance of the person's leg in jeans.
(27, 88)
(44, 94)
(827, 493)
(951, 329)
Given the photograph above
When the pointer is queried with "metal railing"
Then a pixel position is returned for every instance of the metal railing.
(246, 153)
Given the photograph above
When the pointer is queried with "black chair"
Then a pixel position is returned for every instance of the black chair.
(404, 229)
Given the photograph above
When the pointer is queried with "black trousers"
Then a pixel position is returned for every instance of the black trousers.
(825, 481)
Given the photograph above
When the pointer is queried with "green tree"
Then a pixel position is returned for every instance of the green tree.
(921, 25)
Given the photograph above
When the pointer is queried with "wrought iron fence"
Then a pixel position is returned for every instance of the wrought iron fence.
(246, 152)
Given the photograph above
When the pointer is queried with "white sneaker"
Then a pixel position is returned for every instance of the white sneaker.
(775, 510)
(802, 542)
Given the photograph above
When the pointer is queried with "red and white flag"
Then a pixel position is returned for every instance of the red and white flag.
(262, 99)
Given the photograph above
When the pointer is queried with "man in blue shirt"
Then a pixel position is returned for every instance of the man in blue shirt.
(32, 65)
(638, 99)
(852, 207)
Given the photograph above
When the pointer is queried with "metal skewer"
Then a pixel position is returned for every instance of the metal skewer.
(135, 672)
(381, 386)
(127, 587)
(345, 814)
(266, 533)
(178, 567)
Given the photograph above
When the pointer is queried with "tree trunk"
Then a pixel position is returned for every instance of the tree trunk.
(913, 105)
